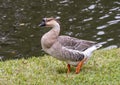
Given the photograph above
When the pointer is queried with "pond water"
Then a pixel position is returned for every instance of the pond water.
(96, 20)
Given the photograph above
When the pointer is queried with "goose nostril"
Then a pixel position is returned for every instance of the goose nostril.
(42, 24)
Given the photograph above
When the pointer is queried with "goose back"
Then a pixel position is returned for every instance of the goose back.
(74, 43)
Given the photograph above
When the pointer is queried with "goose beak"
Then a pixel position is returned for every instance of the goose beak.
(42, 24)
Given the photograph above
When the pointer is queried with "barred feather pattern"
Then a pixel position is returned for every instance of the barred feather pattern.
(72, 55)
(74, 43)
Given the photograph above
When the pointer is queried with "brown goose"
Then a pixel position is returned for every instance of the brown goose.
(72, 50)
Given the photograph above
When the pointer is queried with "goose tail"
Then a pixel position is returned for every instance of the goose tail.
(95, 47)
(89, 51)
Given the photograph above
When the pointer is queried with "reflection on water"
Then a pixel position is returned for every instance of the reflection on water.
(96, 20)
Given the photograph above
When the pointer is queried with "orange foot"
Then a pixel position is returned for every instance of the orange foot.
(80, 65)
(68, 66)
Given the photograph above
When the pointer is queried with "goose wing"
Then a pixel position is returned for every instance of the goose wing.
(74, 43)
(72, 55)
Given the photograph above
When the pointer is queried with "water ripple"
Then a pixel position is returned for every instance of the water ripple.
(101, 33)
(113, 22)
(88, 19)
(105, 16)
(91, 6)
(117, 17)
(114, 9)
(102, 27)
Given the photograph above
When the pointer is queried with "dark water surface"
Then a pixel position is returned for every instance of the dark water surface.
(97, 20)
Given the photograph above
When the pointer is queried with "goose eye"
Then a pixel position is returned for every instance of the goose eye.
(49, 20)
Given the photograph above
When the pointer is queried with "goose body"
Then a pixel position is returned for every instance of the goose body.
(65, 48)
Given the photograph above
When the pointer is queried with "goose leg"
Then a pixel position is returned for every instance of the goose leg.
(79, 66)
(68, 66)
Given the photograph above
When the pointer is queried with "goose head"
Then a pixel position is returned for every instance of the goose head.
(49, 22)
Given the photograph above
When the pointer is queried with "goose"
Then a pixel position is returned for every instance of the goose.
(73, 51)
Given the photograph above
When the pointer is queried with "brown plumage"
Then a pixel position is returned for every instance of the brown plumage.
(71, 50)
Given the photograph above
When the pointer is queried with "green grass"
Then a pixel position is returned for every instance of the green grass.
(103, 68)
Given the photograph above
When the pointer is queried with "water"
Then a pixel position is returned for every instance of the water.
(97, 20)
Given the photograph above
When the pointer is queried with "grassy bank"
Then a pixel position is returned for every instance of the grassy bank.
(102, 69)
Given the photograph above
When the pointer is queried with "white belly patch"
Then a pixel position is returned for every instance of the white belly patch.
(73, 63)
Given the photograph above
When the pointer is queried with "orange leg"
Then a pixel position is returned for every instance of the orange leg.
(80, 65)
(68, 65)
